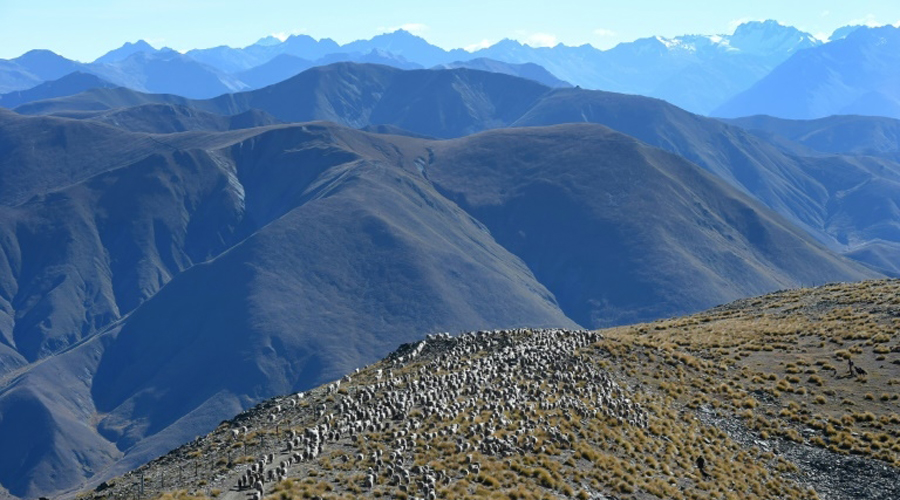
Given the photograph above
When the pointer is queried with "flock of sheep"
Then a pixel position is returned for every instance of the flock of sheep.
(485, 391)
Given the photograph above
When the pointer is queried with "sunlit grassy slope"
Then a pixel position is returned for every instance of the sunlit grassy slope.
(760, 389)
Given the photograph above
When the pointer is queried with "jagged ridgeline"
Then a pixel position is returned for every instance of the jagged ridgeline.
(749, 400)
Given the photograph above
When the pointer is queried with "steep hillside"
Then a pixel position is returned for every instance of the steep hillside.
(838, 199)
(206, 271)
(571, 200)
(786, 396)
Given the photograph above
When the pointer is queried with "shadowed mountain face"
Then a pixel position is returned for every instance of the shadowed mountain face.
(857, 74)
(616, 229)
(203, 272)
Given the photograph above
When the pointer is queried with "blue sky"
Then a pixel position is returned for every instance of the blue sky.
(85, 29)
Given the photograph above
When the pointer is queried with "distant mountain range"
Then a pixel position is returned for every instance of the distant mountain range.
(700, 73)
(857, 74)
(69, 85)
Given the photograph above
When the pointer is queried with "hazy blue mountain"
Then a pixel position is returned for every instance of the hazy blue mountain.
(125, 51)
(302, 46)
(843, 31)
(696, 72)
(225, 58)
(857, 74)
(285, 66)
(268, 41)
(530, 71)
(277, 240)
(375, 56)
(850, 134)
(266, 50)
(279, 68)
(14, 77)
(71, 84)
(168, 72)
(46, 65)
(769, 39)
(32, 68)
(136, 66)
(729, 64)
(408, 46)
(577, 65)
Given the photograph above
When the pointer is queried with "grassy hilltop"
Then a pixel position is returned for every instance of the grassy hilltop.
(761, 389)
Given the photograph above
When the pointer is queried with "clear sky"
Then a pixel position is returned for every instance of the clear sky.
(85, 29)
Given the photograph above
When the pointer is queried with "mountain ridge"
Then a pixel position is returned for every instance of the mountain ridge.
(696, 72)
